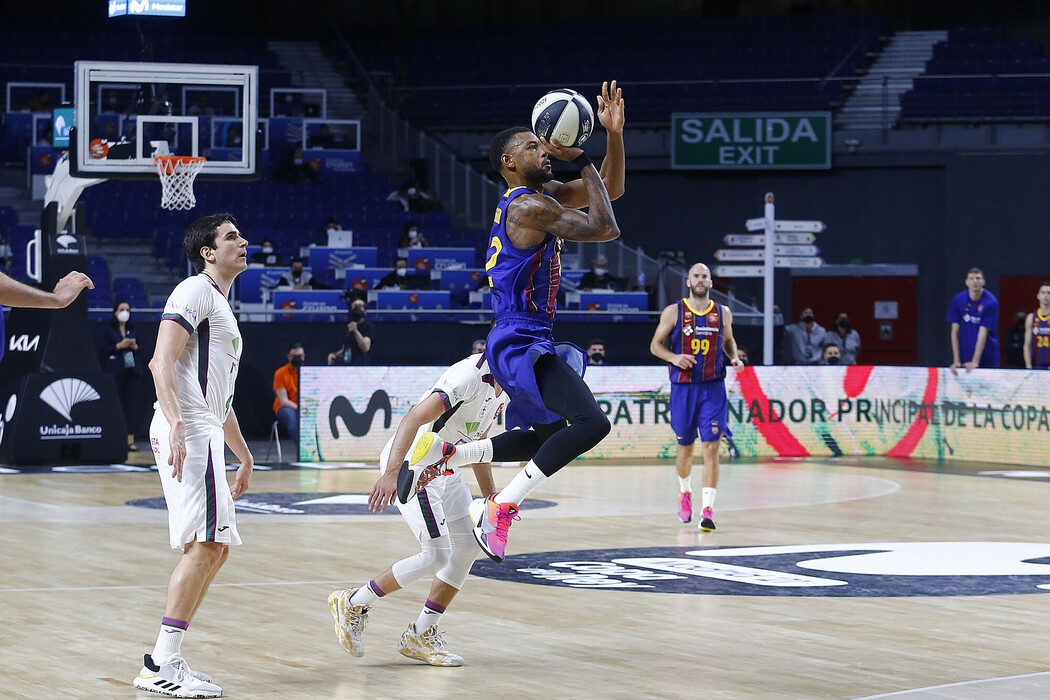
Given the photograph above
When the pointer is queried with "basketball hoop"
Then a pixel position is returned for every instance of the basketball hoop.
(176, 180)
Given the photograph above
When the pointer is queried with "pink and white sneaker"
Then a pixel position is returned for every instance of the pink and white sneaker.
(707, 520)
(491, 522)
(685, 510)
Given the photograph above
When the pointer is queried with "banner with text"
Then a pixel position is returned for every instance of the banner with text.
(986, 415)
(751, 141)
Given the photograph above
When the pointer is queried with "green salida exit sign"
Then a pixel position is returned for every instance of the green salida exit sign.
(751, 141)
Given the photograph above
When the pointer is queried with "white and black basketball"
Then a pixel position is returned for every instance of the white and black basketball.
(564, 115)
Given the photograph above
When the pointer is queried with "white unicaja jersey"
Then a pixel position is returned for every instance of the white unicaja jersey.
(206, 370)
(471, 405)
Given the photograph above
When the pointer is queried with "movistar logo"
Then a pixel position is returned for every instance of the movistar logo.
(358, 423)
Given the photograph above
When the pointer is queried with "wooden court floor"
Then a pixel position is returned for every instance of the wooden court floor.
(906, 579)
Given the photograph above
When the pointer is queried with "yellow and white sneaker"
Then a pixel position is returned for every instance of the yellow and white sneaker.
(425, 463)
(428, 647)
(350, 621)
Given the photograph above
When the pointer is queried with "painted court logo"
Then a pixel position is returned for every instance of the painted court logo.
(893, 569)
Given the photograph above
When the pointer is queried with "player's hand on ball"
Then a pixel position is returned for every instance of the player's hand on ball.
(610, 107)
(556, 150)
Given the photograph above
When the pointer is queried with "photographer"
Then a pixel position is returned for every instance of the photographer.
(358, 342)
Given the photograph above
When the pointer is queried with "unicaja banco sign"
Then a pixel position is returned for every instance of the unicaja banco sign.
(751, 141)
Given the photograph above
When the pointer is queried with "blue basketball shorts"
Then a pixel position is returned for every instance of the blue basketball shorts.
(699, 408)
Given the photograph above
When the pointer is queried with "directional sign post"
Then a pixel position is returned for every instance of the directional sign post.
(780, 244)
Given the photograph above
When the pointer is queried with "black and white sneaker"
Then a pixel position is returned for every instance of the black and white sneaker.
(174, 678)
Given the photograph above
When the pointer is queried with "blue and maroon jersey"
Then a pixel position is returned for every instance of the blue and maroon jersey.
(698, 333)
(522, 279)
(1040, 340)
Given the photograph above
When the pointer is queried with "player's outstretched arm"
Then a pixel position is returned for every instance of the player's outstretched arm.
(231, 431)
(171, 341)
(573, 195)
(14, 293)
(658, 345)
(385, 490)
(1028, 340)
(728, 341)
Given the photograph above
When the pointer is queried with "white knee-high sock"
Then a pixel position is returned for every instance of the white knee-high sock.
(521, 485)
(479, 451)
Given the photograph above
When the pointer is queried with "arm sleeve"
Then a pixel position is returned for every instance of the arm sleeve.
(189, 304)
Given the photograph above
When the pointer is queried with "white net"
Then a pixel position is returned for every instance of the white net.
(176, 180)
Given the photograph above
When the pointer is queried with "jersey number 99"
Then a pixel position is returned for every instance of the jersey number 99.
(701, 346)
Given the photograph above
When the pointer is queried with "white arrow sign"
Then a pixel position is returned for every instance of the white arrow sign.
(810, 226)
(760, 238)
(730, 255)
(800, 262)
(802, 250)
(739, 270)
(756, 224)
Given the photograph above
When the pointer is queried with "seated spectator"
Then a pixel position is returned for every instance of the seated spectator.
(267, 255)
(741, 354)
(598, 278)
(478, 346)
(845, 337)
(411, 237)
(324, 138)
(596, 352)
(294, 168)
(831, 356)
(412, 197)
(286, 386)
(803, 340)
(297, 277)
(395, 279)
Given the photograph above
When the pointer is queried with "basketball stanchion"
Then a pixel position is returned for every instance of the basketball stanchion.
(176, 180)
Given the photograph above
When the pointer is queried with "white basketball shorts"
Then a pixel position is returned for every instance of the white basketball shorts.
(200, 507)
(444, 499)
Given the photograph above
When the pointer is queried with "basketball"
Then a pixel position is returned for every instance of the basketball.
(564, 115)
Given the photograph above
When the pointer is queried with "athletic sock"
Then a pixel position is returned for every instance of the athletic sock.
(479, 451)
(169, 640)
(367, 594)
(430, 616)
(521, 485)
(708, 496)
(685, 484)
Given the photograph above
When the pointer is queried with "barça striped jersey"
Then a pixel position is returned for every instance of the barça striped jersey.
(1040, 340)
(206, 370)
(522, 279)
(698, 333)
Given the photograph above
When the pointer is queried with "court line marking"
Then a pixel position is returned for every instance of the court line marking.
(164, 585)
(899, 693)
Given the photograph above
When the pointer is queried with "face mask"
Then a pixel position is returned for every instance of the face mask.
(597, 357)
(332, 230)
(123, 316)
(600, 271)
(413, 233)
(267, 249)
(297, 273)
(833, 360)
(296, 361)
(298, 161)
(844, 325)
(402, 271)
(807, 319)
(411, 191)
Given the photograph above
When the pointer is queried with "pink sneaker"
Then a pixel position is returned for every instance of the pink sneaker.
(685, 512)
(491, 522)
(707, 520)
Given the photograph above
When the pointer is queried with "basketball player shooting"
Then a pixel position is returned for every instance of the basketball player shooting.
(547, 394)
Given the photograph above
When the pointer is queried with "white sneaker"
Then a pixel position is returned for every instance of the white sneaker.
(428, 647)
(425, 464)
(174, 678)
(350, 621)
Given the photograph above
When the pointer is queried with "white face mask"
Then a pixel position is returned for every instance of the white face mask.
(123, 316)
(267, 249)
(332, 230)
(600, 271)
(402, 271)
(413, 233)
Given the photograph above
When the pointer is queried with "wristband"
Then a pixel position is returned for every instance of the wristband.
(581, 161)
